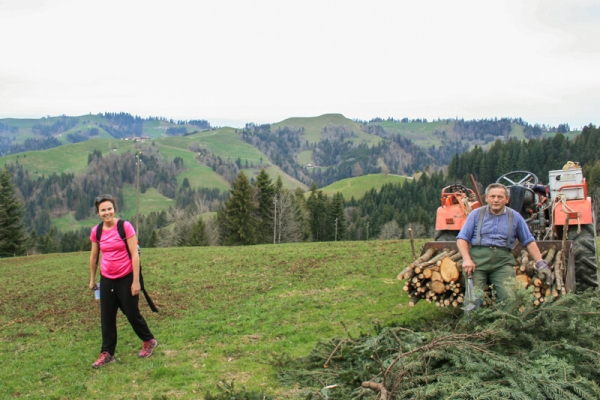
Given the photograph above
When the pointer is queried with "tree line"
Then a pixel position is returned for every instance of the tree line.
(261, 211)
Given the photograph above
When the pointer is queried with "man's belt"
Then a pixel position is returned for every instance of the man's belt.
(493, 247)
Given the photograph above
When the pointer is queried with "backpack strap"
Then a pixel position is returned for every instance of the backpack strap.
(121, 230)
(98, 237)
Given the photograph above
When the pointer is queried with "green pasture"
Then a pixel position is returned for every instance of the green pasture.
(150, 201)
(68, 223)
(357, 187)
(198, 175)
(69, 158)
(227, 314)
(313, 128)
(274, 172)
(420, 134)
(305, 157)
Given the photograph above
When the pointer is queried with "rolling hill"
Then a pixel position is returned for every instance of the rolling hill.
(186, 140)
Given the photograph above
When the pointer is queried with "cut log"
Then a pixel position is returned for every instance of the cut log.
(438, 287)
(448, 270)
(524, 258)
(435, 259)
(558, 276)
(429, 270)
(404, 274)
(426, 256)
(436, 276)
(550, 256)
(414, 300)
(456, 257)
(530, 268)
(524, 279)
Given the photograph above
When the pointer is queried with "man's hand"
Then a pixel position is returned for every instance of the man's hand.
(544, 272)
(468, 266)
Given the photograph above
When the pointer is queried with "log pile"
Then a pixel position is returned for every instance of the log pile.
(529, 277)
(435, 277)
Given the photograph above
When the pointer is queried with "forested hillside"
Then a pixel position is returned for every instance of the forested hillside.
(190, 174)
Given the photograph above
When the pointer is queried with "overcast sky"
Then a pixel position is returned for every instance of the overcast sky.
(262, 61)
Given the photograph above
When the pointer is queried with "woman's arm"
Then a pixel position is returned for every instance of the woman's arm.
(93, 265)
(132, 244)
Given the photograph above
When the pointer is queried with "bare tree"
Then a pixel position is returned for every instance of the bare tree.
(390, 231)
(288, 225)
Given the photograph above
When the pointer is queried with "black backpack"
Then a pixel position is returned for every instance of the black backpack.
(121, 230)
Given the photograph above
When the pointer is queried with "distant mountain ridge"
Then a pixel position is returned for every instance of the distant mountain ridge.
(193, 154)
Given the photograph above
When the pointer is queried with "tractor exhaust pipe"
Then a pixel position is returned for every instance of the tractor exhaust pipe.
(476, 190)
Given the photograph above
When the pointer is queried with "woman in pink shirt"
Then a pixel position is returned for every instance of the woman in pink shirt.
(119, 281)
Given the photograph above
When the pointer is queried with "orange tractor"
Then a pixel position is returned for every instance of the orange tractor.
(559, 213)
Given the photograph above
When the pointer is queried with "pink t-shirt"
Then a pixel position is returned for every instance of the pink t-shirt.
(115, 260)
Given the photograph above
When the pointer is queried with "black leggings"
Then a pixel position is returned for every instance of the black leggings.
(115, 294)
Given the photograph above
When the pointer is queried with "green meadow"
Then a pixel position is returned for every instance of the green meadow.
(357, 186)
(227, 314)
(313, 128)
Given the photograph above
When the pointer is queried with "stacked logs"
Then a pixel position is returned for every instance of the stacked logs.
(529, 277)
(435, 277)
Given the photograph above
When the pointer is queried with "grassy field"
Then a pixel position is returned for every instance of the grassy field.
(150, 201)
(226, 314)
(72, 158)
(420, 134)
(314, 126)
(357, 186)
(305, 157)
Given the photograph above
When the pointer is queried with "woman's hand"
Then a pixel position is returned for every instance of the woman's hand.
(93, 285)
(135, 288)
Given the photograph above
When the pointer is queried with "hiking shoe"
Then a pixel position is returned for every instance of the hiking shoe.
(104, 358)
(148, 347)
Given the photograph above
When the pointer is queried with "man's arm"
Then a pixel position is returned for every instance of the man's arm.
(468, 264)
(534, 251)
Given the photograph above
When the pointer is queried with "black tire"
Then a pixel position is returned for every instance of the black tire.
(586, 256)
(446, 236)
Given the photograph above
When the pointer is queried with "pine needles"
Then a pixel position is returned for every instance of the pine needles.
(519, 352)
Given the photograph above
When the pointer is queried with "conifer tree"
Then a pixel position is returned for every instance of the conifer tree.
(13, 238)
(237, 220)
(336, 218)
(317, 208)
(265, 192)
(152, 241)
(198, 233)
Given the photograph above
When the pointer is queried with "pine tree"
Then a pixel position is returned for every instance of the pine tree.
(265, 192)
(317, 208)
(237, 220)
(152, 241)
(337, 218)
(13, 238)
(198, 233)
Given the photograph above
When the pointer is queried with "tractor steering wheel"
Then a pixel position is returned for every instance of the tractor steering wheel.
(458, 188)
(518, 178)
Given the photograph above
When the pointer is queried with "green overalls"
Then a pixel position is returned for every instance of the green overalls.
(495, 264)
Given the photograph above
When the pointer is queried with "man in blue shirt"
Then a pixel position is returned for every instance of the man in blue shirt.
(487, 238)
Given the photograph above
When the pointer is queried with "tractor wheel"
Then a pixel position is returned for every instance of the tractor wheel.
(586, 256)
(445, 236)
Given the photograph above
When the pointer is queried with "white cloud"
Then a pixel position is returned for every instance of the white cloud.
(263, 61)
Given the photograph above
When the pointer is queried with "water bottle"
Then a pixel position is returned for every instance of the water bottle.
(97, 292)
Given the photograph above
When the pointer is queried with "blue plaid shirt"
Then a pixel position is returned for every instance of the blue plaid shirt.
(494, 229)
